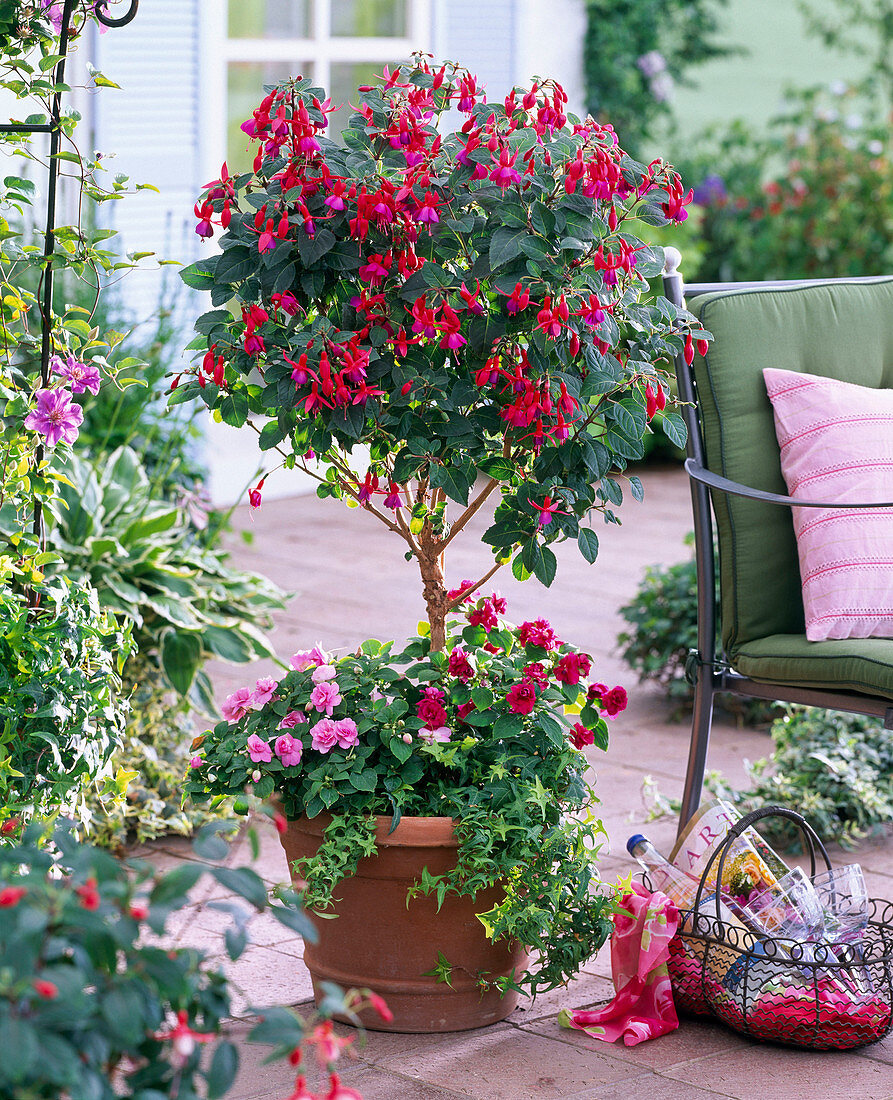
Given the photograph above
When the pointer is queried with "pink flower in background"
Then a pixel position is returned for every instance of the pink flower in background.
(325, 697)
(196, 762)
(442, 733)
(292, 719)
(264, 691)
(237, 705)
(81, 376)
(289, 750)
(322, 673)
(55, 417)
(346, 732)
(324, 735)
(309, 658)
(259, 751)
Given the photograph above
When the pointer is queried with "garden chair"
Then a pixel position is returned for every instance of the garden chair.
(835, 328)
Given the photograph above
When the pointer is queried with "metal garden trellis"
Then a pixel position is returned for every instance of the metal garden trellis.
(53, 127)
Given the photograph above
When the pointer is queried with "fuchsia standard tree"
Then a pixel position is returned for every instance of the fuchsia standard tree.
(466, 311)
(468, 306)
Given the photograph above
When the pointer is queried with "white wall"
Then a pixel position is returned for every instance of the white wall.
(550, 44)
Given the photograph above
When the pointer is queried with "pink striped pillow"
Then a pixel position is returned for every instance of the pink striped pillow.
(836, 443)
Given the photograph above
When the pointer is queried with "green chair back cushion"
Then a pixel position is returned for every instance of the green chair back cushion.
(842, 330)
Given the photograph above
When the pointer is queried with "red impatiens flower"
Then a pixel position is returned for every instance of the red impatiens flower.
(571, 667)
(89, 894)
(430, 709)
(48, 990)
(538, 633)
(522, 698)
(460, 666)
(614, 701)
(11, 895)
(580, 736)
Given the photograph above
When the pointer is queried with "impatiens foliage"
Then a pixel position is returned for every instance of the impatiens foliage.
(469, 306)
(487, 732)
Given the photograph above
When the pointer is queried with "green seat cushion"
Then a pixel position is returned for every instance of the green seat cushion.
(844, 664)
(842, 330)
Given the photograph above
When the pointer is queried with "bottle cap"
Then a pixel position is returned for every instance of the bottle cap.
(634, 842)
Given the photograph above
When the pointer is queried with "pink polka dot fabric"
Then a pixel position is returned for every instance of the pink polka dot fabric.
(836, 442)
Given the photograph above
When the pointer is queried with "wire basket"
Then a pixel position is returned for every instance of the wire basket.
(818, 995)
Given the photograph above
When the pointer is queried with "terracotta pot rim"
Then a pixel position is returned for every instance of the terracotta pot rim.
(411, 832)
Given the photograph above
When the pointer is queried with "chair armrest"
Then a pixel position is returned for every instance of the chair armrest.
(698, 473)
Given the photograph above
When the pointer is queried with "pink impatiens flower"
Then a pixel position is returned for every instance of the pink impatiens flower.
(442, 733)
(322, 673)
(292, 719)
(309, 658)
(289, 750)
(259, 751)
(81, 376)
(236, 705)
(324, 735)
(55, 417)
(196, 762)
(264, 691)
(325, 696)
(346, 732)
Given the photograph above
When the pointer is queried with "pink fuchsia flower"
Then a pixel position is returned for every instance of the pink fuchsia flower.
(347, 733)
(81, 376)
(322, 673)
(328, 1044)
(292, 719)
(237, 705)
(571, 667)
(55, 417)
(522, 698)
(442, 733)
(264, 692)
(580, 736)
(430, 709)
(254, 495)
(259, 751)
(289, 750)
(325, 697)
(309, 658)
(182, 1039)
(460, 666)
(324, 735)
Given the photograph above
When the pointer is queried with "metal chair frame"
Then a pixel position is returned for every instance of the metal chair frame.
(708, 667)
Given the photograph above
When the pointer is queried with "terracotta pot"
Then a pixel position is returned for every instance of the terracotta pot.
(377, 942)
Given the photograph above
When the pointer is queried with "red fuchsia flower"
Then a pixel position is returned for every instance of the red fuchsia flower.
(472, 304)
(11, 896)
(264, 692)
(689, 351)
(259, 750)
(702, 346)
(89, 895)
(546, 510)
(538, 633)
(460, 666)
(591, 312)
(328, 1044)
(522, 698)
(204, 213)
(553, 321)
(378, 1003)
(289, 750)
(138, 911)
(182, 1039)
(580, 736)
(80, 376)
(369, 486)
(427, 212)
(505, 173)
(518, 300)
(325, 697)
(292, 719)
(309, 658)
(571, 667)
(300, 1090)
(324, 735)
(236, 705)
(674, 207)
(655, 399)
(465, 709)
(425, 322)
(49, 991)
(450, 325)
(376, 269)
(347, 733)
(55, 417)
(614, 701)
(393, 500)
(430, 709)
(254, 495)
(337, 1091)
(287, 302)
(430, 737)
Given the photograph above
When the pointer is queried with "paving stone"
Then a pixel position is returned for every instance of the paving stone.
(265, 976)
(263, 929)
(583, 991)
(655, 1087)
(761, 1071)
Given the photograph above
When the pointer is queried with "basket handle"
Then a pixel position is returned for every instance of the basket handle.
(811, 836)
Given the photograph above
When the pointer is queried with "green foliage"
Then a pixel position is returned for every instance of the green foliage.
(862, 28)
(834, 768)
(426, 733)
(144, 558)
(61, 707)
(812, 198)
(90, 1007)
(635, 51)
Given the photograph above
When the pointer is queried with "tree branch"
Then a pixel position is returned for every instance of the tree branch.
(467, 591)
(468, 513)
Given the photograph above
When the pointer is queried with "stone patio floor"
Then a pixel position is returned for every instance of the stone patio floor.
(350, 582)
